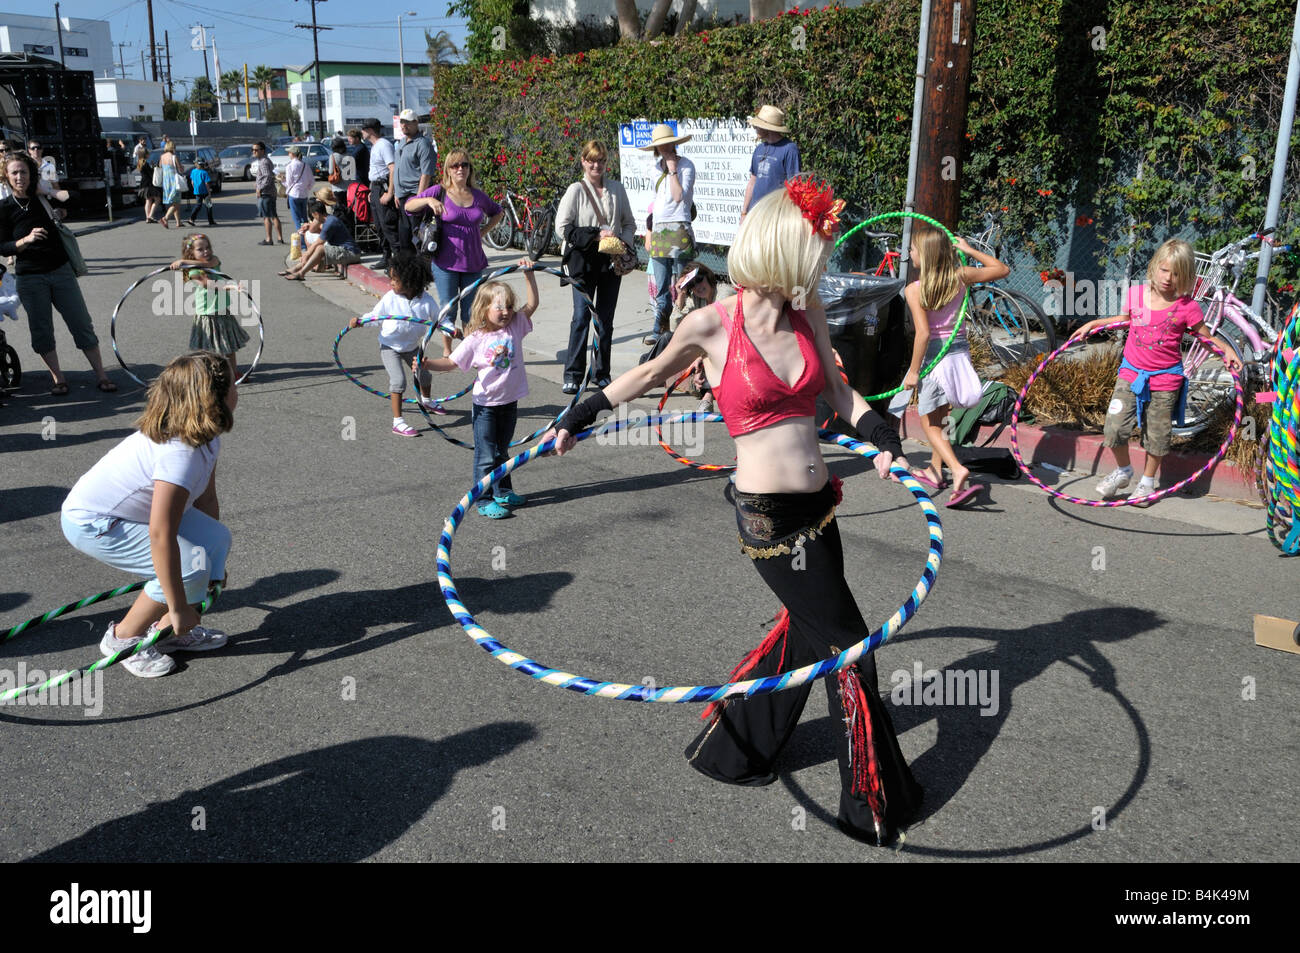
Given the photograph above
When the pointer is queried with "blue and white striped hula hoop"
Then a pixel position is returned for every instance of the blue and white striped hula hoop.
(677, 694)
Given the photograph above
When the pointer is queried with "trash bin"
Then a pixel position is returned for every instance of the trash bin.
(869, 331)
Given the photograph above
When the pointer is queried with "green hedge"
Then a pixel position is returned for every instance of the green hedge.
(1067, 97)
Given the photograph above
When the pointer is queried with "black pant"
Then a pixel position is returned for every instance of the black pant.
(385, 217)
(603, 289)
(742, 744)
(405, 225)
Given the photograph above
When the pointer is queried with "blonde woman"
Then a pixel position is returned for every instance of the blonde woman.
(767, 362)
(171, 184)
(467, 215)
(593, 208)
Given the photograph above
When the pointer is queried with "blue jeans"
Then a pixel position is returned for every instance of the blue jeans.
(494, 428)
(298, 211)
(204, 544)
(664, 272)
(449, 284)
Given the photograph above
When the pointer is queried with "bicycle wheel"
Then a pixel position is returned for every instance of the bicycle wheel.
(501, 233)
(994, 333)
(1209, 383)
(539, 239)
(1033, 320)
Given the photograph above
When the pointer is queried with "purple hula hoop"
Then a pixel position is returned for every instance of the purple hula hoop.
(1150, 497)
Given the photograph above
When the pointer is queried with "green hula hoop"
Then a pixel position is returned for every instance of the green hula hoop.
(965, 300)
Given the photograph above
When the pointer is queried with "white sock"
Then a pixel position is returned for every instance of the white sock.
(398, 420)
(1127, 471)
(1147, 481)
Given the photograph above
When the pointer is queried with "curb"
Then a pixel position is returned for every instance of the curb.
(367, 280)
(1084, 453)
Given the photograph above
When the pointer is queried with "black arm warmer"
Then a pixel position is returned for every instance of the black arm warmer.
(582, 415)
(875, 429)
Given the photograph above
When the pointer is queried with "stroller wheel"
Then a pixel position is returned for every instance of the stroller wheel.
(11, 372)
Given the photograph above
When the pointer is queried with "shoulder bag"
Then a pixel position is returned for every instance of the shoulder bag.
(428, 234)
(69, 241)
(622, 258)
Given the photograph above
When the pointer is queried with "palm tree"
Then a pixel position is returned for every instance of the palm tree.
(264, 79)
(442, 51)
(232, 85)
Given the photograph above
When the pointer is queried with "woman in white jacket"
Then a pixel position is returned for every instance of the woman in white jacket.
(593, 208)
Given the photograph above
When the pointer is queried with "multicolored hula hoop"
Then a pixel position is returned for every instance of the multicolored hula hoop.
(1150, 497)
(1280, 473)
(667, 448)
(112, 323)
(449, 308)
(965, 301)
(682, 693)
(432, 325)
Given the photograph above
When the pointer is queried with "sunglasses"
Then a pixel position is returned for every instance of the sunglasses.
(459, 165)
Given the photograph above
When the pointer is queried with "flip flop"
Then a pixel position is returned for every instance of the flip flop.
(293, 278)
(284, 274)
(59, 390)
(266, 243)
(107, 386)
(921, 478)
(964, 496)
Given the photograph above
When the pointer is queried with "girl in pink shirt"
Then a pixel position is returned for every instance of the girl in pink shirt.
(1151, 389)
(493, 346)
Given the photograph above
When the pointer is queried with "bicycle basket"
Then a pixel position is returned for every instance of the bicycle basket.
(1209, 275)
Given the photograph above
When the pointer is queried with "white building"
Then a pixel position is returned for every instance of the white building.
(352, 99)
(87, 44)
(129, 99)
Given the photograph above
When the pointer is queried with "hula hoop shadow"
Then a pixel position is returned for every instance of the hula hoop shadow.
(1130, 501)
(682, 693)
(112, 324)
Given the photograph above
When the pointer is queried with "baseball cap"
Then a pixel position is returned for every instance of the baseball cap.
(408, 115)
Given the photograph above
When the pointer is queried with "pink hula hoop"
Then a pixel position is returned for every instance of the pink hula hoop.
(1150, 497)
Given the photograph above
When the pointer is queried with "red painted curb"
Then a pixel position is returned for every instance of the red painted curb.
(1072, 450)
(363, 277)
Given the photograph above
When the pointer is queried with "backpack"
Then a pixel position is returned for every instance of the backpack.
(359, 203)
(994, 407)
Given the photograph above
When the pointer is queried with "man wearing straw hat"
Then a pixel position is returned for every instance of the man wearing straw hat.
(669, 237)
(775, 159)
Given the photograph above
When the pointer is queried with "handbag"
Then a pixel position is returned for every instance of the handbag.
(428, 234)
(623, 259)
(70, 246)
(157, 177)
(335, 176)
(182, 182)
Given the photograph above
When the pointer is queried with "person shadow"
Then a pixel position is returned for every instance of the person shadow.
(341, 803)
(967, 732)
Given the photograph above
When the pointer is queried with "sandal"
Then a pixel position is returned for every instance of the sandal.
(106, 386)
(964, 495)
(164, 223)
(292, 277)
(59, 389)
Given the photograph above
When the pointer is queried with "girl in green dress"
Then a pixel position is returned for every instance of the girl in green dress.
(215, 328)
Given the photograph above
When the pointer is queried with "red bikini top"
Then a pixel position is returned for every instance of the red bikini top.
(750, 396)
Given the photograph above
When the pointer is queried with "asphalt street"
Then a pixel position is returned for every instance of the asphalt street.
(1127, 715)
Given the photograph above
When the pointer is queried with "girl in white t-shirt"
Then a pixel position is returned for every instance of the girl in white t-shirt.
(399, 341)
(493, 346)
(149, 506)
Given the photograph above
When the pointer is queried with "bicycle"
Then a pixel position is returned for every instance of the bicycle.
(537, 223)
(1250, 336)
(1005, 327)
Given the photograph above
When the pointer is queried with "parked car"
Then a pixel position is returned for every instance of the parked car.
(186, 156)
(314, 154)
(237, 162)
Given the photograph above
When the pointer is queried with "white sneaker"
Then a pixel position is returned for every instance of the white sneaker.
(706, 406)
(147, 664)
(1143, 490)
(1115, 481)
(198, 639)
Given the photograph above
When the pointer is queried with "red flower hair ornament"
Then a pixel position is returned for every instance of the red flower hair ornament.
(818, 204)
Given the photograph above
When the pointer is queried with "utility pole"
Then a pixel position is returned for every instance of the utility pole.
(121, 65)
(168, 41)
(315, 42)
(153, 42)
(943, 110)
(58, 25)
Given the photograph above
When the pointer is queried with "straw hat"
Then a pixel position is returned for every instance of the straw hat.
(662, 135)
(770, 118)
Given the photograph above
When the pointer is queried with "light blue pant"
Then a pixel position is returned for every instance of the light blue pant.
(123, 544)
(665, 271)
(450, 284)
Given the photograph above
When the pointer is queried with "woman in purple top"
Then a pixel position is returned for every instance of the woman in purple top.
(467, 214)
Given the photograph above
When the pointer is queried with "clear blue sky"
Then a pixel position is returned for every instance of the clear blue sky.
(262, 32)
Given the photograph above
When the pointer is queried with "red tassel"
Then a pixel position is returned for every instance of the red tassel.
(863, 769)
(779, 632)
(838, 486)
